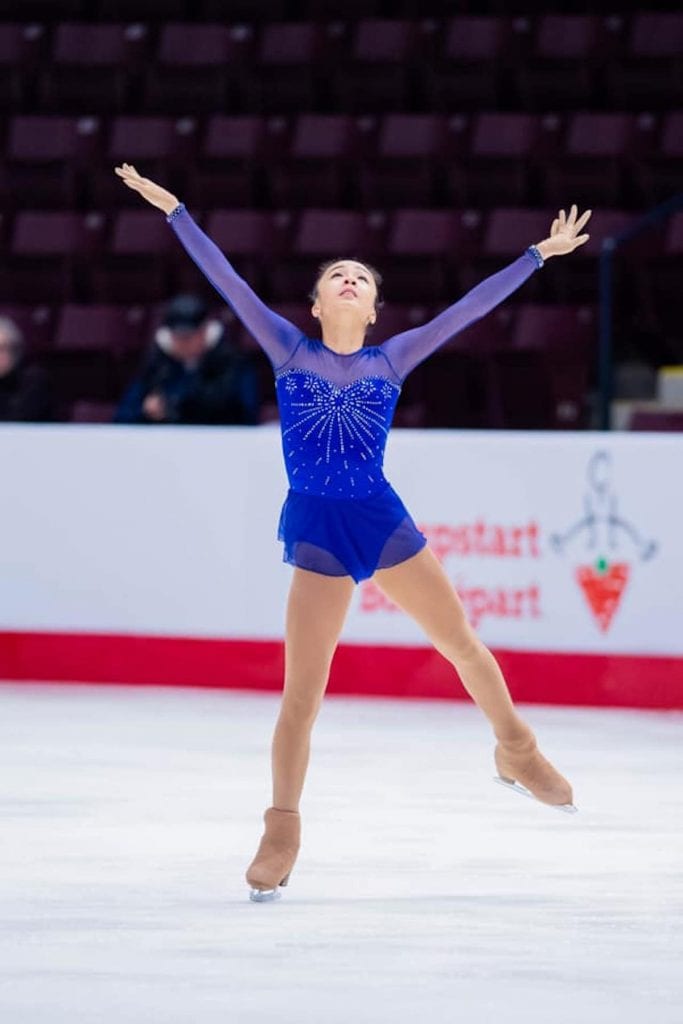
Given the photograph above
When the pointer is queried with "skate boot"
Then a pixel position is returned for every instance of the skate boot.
(522, 767)
(275, 856)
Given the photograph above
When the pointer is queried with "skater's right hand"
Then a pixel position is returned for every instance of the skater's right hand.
(149, 190)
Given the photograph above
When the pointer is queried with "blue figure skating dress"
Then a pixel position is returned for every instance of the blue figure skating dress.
(341, 516)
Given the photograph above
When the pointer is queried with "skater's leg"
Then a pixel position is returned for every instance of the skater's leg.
(316, 609)
(421, 588)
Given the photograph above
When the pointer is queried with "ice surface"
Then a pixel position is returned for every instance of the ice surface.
(423, 892)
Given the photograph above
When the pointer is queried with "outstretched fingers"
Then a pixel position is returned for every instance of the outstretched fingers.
(571, 221)
(582, 220)
(128, 173)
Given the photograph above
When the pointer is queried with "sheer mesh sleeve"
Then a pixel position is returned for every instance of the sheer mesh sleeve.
(276, 335)
(407, 349)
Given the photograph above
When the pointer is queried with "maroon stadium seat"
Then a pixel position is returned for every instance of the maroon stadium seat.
(22, 48)
(36, 322)
(568, 337)
(352, 9)
(376, 76)
(490, 334)
(426, 248)
(589, 166)
(656, 419)
(284, 76)
(96, 348)
(454, 385)
(48, 9)
(521, 391)
(252, 240)
(140, 10)
(50, 253)
(100, 327)
(159, 147)
(240, 10)
(560, 72)
(658, 279)
(510, 230)
(326, 233)
(650, 74)
(85, 411)
(136, 266)
(91, 67)
(555, 328)
(402, 167)
(319, 166)
(194, 67)
(299, 314)
(497, 168)
(229, 163)
(322, 234)
(394, 318)
(465, 73)
(46, 158)
(658, 173)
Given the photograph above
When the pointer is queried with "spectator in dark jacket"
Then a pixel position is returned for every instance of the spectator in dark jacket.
(192, 373)
(24, 390)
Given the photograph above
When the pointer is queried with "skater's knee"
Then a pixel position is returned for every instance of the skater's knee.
(461, 644)
(300, 708)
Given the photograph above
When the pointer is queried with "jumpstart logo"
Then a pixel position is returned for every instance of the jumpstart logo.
(480, 539)
(601, 542)
(607, 537)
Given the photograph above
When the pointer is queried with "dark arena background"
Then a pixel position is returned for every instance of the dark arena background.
(539, 448)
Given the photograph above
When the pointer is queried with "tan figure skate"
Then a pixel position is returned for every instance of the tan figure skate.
(275, 857)
(522, 767)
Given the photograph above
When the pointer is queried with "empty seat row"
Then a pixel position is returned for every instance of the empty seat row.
(617, 159)
(372, 64)
(123, 328)
(426, 255)
(259, 10)
(454, 234)
(532, 371)
(470, 38)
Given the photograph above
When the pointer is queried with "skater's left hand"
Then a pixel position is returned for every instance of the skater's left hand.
(564, 234)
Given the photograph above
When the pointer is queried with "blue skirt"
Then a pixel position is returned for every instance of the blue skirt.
(347, 536)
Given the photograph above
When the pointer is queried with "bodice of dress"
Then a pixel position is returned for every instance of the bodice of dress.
(335, 413)
(336, 409)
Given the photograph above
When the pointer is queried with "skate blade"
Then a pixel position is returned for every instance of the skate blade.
(511, 784)
(265, 895)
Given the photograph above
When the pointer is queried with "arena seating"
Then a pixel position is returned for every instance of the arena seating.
(435, 145)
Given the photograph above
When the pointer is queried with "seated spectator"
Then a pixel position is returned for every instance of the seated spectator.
(24, 390)
(192, 374)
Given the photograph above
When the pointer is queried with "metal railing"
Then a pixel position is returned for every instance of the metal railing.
(610, 247)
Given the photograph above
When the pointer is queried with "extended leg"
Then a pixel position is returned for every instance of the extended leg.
(421, 588)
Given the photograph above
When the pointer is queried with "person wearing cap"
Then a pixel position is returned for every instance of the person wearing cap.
(192, 373)
(24, 389)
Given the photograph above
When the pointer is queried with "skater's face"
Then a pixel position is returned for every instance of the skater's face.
(349, 289)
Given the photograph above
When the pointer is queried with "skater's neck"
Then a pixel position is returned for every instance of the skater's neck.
(344, 338)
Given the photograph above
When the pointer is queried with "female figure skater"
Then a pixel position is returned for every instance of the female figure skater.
(342, 521)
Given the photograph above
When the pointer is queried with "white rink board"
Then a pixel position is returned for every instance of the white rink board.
(171, 531)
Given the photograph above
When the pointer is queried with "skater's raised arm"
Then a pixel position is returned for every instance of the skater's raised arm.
(276, 335)
(409, 348)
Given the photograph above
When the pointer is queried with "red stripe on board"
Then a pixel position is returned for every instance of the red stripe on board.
(361, 670)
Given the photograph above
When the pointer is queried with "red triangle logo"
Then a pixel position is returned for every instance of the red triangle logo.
(602, 588)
